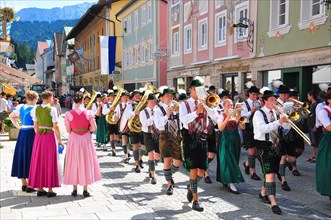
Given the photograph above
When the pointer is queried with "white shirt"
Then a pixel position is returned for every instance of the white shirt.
(324, 118)
(319, 107)
(53, 113)
(3, 105)
(259, 125)
(118, 109)
(95, 108)
(245, 111)
(106, 108)
(186, 117)
(127, 114)
(146, 122)
(18, 109)
(160, 119)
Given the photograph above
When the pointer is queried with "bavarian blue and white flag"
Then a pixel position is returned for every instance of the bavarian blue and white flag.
(107, 54)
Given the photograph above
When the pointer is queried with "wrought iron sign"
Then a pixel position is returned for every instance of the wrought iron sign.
(245, 23)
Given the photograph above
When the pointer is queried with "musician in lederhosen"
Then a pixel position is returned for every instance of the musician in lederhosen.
(96, 111)
(211, 142)
(111, 128)
(123, 124)
(195, 131)
(249, 108)
(136, 138)
(266, 126)
(299, 142)
(287, 140)
(167, 122)
(151, 135)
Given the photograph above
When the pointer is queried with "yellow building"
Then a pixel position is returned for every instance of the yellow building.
(98, 20)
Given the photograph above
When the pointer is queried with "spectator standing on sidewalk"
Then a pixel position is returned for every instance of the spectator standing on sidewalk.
(44, 163)
(24, 143)
(4, 108)
(82, 166)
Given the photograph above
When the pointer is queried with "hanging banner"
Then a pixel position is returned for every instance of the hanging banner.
(107, 54)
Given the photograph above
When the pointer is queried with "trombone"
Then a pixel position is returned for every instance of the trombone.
(303, 105)
(291, 119)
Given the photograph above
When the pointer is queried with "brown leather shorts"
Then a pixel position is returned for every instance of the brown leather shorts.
(168, 147)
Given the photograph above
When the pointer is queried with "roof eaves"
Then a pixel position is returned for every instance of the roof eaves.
(128, 5)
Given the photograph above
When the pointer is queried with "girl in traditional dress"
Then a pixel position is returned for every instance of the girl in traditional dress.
(82, 166)
(102, 135)
(24, 144)
(44, 166)
(323, 158)
(229, 148)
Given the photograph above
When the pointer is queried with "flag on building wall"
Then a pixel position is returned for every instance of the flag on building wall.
(107, 54)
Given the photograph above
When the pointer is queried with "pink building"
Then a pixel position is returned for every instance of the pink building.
(203, 42)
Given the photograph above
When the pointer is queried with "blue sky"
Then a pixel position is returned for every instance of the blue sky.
(19, 4)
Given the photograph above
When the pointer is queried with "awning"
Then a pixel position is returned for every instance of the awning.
(323, 75)
(17, 73)
(13, 79)
(8, 89)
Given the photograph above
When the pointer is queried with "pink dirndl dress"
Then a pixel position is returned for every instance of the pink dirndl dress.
(81, 165)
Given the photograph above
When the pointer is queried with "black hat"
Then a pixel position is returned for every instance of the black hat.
(98, 95)
(195, 83)
(212, 88)
(224, 93)
(269, 93)
(283, 89)
(182, 96)
(253, 89)
(87, 97)
(151, 96)
(293, 93)
(168, 90)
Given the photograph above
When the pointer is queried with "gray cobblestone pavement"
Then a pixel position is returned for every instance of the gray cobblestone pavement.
(124, 194)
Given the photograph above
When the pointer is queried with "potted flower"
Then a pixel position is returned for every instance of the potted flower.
(7, 15)
(12, 130)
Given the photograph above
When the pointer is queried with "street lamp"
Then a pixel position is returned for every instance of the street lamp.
(250, 25)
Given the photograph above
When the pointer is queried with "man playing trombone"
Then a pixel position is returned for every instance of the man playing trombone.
(249, 108)
(266, 127)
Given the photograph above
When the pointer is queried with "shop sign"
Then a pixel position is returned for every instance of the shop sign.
(190, 72)
(235, 68)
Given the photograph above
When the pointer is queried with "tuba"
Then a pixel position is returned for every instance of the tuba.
(134, 123)
(89, 105)
(110, 114)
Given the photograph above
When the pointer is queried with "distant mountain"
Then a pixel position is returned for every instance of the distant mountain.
(53, 14)
(30, 32)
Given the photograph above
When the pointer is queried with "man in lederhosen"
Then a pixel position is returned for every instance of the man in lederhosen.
(195, 131)
(151, 135)
(136, 138)
(122, 124)
(112, 128)
(167, 122)
(287, 141)
(249, 108)
(266, 127)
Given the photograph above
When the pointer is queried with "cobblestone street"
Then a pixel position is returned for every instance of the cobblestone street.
(124, 194)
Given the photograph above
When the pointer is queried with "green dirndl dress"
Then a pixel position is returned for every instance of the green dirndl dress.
(229, 154)
(102, 134)
(323, 165)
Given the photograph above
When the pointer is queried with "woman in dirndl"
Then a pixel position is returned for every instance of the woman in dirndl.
(323, 158)
(81, 166)
(44, 161)
(102, 134)
(24, 143)
(229, 148)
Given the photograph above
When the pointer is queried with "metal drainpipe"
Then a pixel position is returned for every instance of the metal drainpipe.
(42, 58)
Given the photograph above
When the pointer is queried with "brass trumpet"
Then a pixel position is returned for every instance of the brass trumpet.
(293, 117)
(303, 105)
(174, 105)
(236, 113)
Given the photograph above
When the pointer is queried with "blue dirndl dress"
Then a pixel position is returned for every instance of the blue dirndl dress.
(24, 145)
